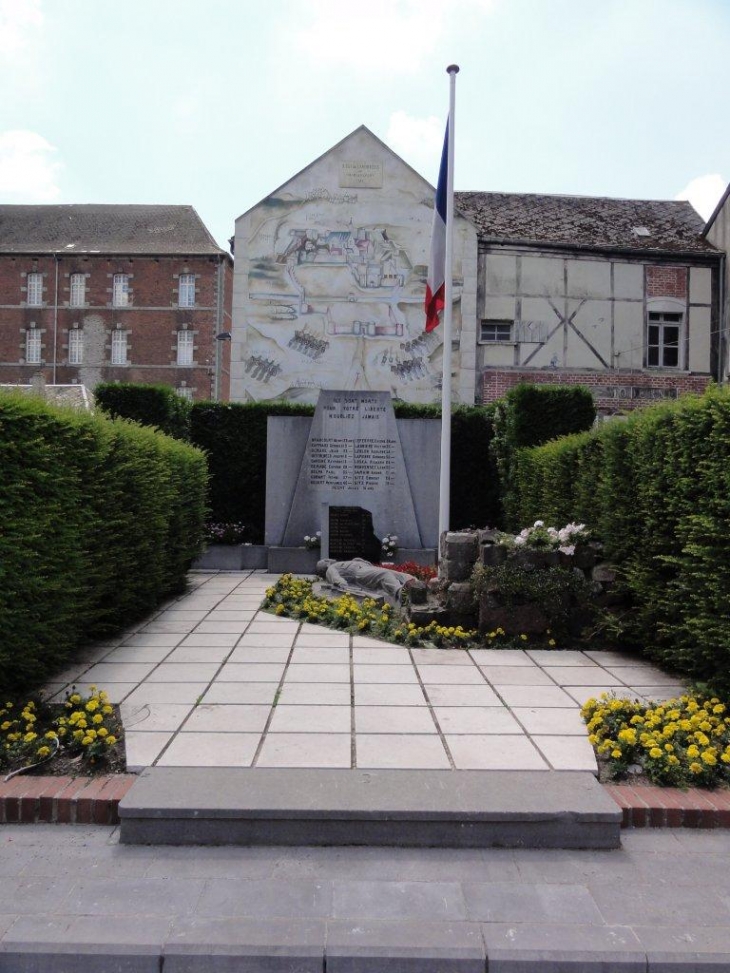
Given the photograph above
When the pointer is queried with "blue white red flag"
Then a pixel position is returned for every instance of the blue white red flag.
(436, 280)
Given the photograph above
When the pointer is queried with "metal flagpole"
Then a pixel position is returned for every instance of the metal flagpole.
(445, 474)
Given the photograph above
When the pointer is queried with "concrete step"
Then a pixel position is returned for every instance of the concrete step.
(404, 808)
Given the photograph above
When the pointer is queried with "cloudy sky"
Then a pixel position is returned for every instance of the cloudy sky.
(218, 102)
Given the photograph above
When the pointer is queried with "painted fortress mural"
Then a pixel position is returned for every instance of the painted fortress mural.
(335, 267)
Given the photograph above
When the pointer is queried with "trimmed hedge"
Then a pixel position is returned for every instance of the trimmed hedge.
(530, 415)
(150, 405)
(233, 435)
(99, 520)
(656, 490)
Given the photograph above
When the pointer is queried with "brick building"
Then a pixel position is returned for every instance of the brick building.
(94, 293)
(620, 295)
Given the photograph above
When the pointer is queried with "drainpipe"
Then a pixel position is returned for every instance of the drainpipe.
(218, 330)
(55, 320)
(724, 323)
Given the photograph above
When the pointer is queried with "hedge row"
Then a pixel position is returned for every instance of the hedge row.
(99, 520)
(151, 405)
(530, 415)
(656, 489)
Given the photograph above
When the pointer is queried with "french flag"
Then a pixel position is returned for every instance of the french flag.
(436, 280)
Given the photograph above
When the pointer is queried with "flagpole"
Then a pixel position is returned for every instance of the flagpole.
(445, 475)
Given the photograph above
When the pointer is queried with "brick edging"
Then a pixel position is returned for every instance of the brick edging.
(63, 800)
(645, 806)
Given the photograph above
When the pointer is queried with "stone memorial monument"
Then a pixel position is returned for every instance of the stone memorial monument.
(352, 454)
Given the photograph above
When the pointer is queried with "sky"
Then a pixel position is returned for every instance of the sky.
(216, 103)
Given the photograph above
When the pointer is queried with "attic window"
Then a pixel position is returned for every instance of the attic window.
(642, 231)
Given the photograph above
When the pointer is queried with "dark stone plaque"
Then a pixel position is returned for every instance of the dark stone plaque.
(352, 535)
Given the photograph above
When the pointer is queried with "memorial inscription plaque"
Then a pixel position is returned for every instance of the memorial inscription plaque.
(351, 534)
(354, 458)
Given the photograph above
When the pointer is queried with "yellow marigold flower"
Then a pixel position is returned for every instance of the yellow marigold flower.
(43, 752)
(107, 710)
(102, 732)
(627, 736)
(97, 718)
(709, 758)
(75, 699)
(110, 741)
(673, 759)
(655, 752)
(552, 643)
(86, 741)
(6, 725)
(719, 708)
(695, 768)
(725, 758)
(693, 751)
(669, 747)
(616, 754)
(523, 638)
(593, 739)
(78, 734)
(702, 739)
(30, 737)
(51, 735)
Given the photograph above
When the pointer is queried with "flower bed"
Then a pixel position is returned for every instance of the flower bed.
(80, 736)
(684, 741)
(293, 597)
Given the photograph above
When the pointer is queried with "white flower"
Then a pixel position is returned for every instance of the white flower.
(385, 540)
(567, 549)
(519, 540)
(319, 533)
(539, 523)
(524, 533)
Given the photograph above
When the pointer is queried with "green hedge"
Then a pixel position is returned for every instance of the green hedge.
(233, 435)
(530, 415)
(99, 520)
(656, 489)
(151, 405)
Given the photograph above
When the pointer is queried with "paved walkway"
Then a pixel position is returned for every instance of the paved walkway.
(660, 903)
(210, 680)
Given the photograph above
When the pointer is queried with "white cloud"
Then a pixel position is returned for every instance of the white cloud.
(19, 22)
(704, 193)
(391, 35)
(28, 169)
(418, 140)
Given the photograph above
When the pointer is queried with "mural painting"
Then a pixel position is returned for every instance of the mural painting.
(335, 288)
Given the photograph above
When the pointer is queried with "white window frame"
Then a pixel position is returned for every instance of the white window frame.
(76, 346)
(119, 352)
(186, 290)
(77, 290)
(34, 290)
(120, 290)
(185, 348)
(33, 346)
(506, 337)
(185, 392)
(665, 315)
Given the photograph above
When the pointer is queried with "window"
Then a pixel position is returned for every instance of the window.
(119, 347)
(33, 346)
(663, 339)
(186, 290)
(496, 331)
(120, 293)
(185, 341)
(78, 290)
(185, 393)
(75, 346)
(34, 294)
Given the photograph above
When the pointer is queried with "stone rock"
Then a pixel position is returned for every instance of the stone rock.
(605, 573)
(489, 535)
(455, 569)
(461, 546)
(493, 555)
(529, 559)
(460, 599)
(584, 558)
(417, 592)
(423, 615)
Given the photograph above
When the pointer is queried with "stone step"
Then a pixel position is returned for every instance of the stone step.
(405, 808)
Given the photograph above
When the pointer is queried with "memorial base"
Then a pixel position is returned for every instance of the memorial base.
(293, 560)
(232, 557)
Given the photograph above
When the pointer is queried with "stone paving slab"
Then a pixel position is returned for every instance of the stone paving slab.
(360, 909)
(219, 681)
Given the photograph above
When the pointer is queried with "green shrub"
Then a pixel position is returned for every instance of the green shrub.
(151, 405)
(530, 415)
(660, 483)
(100, 519)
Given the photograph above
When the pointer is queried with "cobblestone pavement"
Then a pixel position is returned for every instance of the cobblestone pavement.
(210, 680)
(662, 899)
